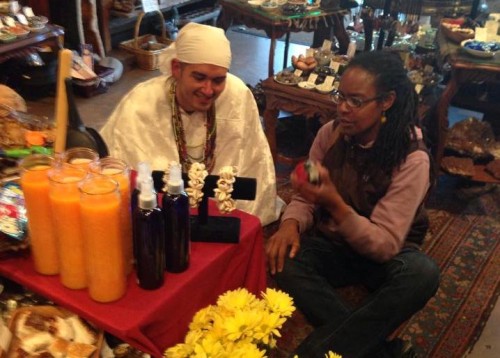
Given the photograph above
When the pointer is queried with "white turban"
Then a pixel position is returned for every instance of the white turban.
(198, 44)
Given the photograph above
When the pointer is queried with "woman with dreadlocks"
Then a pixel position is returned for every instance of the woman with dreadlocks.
(364, 220)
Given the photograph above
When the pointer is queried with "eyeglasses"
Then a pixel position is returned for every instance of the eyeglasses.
(352, 102)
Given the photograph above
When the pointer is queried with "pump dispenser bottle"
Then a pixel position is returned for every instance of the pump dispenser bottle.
(143, 172)
(149, 238)
(175, 207)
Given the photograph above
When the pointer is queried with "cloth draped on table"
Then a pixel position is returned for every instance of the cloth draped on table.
(140, 129)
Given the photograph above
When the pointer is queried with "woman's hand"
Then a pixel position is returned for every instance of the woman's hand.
(324, 193)
(278, 244)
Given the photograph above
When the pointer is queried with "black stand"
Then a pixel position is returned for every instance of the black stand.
(205, 228)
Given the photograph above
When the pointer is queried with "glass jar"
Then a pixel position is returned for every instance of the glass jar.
(80, 157)
(35, 185)
(101, 221)
(65, 204)
(119, 171)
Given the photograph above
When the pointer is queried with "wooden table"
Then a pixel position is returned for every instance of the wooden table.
(52, 34)
(294, 100)
(155, 320)
(465, 69)
(275, 24)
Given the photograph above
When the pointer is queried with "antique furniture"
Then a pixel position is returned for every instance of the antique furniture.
(50, 34)
(294, 100)
(275, 24)
(465, 69)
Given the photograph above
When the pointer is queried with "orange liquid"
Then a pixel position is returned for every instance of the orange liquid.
(125, 215)
(103, 246)
(35, 185)
(65, 200)
(82, 163)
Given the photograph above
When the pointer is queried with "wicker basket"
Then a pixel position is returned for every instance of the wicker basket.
(147, 59)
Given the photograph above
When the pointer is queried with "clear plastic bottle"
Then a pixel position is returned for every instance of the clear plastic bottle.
(175, 207)
(149, 238)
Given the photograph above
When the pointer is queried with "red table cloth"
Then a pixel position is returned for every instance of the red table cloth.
(155, 320)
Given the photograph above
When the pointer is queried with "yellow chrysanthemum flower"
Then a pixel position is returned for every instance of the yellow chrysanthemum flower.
(247, 350)
(203, 319)
(270, 324)
(241, 325)
(279, 302)
(179, 351)
(332, 355)
(239, 299)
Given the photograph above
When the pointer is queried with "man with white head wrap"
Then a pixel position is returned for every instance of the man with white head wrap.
(196, 112)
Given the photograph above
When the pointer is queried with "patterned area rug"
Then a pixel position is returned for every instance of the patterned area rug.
(464, 239)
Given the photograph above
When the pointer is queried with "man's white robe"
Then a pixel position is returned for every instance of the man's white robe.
(140, 129)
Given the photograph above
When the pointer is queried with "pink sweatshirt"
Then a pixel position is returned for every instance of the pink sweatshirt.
(382, 235)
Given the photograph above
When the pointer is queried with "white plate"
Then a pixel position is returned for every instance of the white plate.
(476, 53)
(292, 81)
(321, 88)
(306, 85)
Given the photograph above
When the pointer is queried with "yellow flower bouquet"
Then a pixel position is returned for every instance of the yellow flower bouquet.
(239, 325)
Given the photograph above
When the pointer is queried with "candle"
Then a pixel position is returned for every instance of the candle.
(100, 210)
(61, 111)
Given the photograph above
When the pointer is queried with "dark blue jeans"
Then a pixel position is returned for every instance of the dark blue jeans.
(399, 288)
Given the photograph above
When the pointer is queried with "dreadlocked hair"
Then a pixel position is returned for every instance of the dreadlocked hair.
(394, 138)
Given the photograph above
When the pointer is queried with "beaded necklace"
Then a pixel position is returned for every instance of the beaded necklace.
(180, 138)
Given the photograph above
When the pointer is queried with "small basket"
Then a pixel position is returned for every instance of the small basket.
(147, 59)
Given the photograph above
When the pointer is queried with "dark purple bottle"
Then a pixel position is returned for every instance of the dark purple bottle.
(149, 239)
(175, 206)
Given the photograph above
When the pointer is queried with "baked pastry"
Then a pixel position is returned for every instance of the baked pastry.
(58, 348)
(36, 342)
(82, 333)
(80, 350)
(458, 166)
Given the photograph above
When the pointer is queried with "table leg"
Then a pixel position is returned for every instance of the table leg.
(270, 121)
(442, 117)
(272, 47)
(287, 45)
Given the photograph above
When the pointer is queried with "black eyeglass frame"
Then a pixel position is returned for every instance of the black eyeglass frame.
(338, 97)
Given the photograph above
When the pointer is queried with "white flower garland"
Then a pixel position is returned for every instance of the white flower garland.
(197, 175)
(225, 203)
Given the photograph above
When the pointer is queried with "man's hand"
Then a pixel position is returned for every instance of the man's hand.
(277, 246)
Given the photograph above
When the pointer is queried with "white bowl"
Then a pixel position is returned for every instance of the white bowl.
(477, 53)
(269, 6)
(306, 85)
(322, 88)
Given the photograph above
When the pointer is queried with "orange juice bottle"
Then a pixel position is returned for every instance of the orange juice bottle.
(105, 263)
(35, 185)
(119, 171)
(81, 157)
(65, 203)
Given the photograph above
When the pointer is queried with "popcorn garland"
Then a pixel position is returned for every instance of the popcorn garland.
(197, 175)
(225, 203)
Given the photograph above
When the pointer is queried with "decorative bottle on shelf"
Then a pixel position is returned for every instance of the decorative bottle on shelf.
(149, 238)
(175, 207)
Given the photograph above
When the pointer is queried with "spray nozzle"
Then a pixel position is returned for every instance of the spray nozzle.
(143, 172)
(175, 185)
(147, 196)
